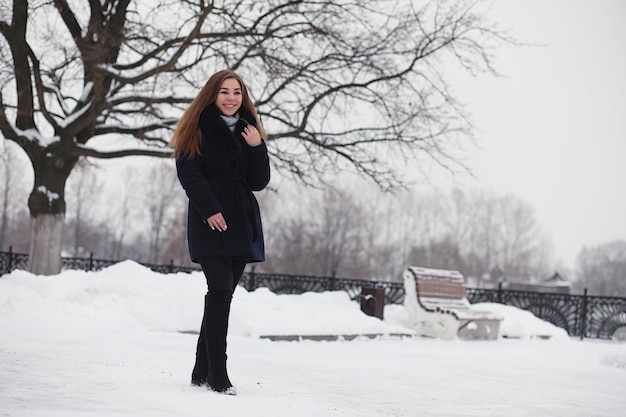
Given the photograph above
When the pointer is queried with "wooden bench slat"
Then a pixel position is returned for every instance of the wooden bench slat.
(429, 288)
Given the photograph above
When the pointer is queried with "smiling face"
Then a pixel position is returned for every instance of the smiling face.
(229, 97)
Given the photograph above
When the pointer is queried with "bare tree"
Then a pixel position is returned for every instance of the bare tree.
(602, 269)
(123, 211)
(5, 190)
(498, 230)
(426, 215)
(323, 235)
(288, 230)
(82, 194)
(363, 232)
(289, 250)
(174, 245)
(165, 209)
(162, 198)
(342, 84)
(470, 231)
(339, 237)
(521, 243)
(122, 216)
(12, 195)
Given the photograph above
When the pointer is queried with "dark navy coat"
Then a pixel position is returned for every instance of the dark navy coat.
(222, 180)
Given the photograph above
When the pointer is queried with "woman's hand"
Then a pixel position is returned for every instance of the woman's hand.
(251, 135)
(217, 221)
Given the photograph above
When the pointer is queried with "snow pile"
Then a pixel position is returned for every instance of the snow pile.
(521, 324)
(131, 295)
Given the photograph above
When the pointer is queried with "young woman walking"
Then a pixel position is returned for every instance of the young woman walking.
(221, 158)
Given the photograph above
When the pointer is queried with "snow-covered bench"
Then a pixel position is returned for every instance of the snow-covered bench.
(438, 307)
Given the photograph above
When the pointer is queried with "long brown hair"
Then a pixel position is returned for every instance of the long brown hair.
(187, 136)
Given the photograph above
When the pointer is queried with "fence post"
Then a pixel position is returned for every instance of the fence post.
(90, 261)
(10, 262)
(499, 297)
(171, 267)
(583, 319)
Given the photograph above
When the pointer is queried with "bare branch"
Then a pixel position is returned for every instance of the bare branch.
(84, 151)
(341, 83)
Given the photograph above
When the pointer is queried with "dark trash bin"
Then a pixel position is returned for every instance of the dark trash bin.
(373, 301)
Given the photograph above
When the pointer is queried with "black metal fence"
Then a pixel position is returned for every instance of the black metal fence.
(580, 315)
(10, 261)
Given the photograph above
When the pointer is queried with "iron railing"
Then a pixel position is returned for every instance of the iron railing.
(10, 261)
(298, 284)
(580, 315)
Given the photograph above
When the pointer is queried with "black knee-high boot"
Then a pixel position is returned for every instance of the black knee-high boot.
(210, 367)
(217, 331)
(201, 367)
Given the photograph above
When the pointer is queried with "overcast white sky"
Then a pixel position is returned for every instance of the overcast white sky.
(553, 131)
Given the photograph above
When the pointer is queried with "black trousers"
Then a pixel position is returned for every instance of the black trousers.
(221, 274)
(222, 278)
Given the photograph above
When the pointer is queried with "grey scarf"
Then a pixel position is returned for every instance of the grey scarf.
(231, 121)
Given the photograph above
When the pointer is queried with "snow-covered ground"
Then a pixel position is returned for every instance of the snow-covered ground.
(118, 342)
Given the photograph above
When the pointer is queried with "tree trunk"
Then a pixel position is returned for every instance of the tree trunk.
(45, 244)
(47, 211)
(4, 219)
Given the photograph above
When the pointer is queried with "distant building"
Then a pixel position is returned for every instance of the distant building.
(557, 283)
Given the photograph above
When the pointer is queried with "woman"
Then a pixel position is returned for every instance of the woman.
(220, 159)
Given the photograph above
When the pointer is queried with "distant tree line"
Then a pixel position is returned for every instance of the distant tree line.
(353, 230)
(602, 269)
(361, 231)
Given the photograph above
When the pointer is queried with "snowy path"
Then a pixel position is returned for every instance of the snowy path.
(74, 371)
